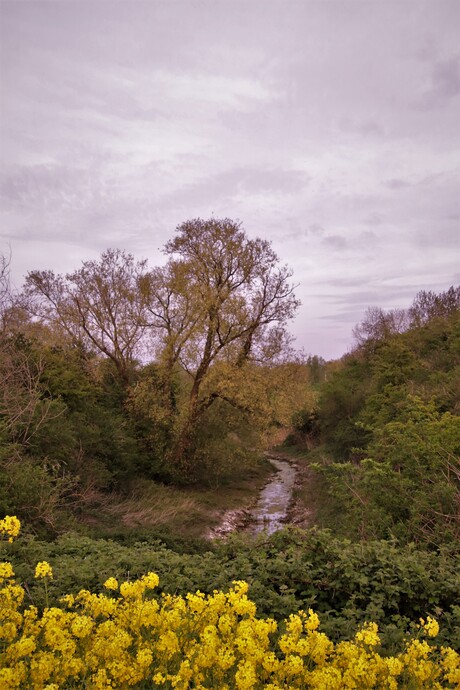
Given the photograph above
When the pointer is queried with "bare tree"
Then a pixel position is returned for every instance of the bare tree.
(5, 290)
(379, 324)
(428, 305)
(100, 304)
(23, 410)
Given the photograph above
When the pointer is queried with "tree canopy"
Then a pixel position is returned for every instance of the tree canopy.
(228, 306)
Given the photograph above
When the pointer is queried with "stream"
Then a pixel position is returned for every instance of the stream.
(272, 506)
(270, 510)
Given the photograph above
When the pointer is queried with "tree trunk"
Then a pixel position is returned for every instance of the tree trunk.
(180, 457)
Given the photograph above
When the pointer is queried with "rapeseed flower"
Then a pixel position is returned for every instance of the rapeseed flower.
(10, 525)
(368, 635)
(111, 583)
(43, 569)
(431, 626)
(6, 571)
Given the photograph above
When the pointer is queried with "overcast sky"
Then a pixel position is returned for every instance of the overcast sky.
(330, 127)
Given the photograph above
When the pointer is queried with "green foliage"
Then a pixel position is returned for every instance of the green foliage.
(226, 445)
(38, 493)
(64, 430)
(389, 418)
(152, 404)
(340, 401)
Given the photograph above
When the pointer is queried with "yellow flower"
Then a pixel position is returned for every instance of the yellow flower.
(82, 626)
(168, 643)
(321, 647)
(270, 662)
(43, 569)
(245, 676)
(144, 658)
(11, 525)
(395, 667)
(23, 647)
(151, 580)
(451, 665)
(159, 679)
(6, 570)
(368, 634)
(133, 589)
(293, 664)
(312, 622)
(238, 599)
(431, 626)
(111, 583)
(196, 601)
(225, 659)
(68, 600)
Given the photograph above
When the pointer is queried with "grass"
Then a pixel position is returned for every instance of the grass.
(186, 512)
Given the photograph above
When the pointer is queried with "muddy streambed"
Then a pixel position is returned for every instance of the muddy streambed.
(269, 511)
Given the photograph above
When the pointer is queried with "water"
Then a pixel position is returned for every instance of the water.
(274, 499)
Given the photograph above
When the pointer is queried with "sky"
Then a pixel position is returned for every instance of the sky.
(329, 127)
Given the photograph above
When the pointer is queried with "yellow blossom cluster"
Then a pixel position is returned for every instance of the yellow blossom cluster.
(127, 638)
(43, 569)
(10, 525)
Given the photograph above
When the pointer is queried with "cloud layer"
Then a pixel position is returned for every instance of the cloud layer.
(330, 128)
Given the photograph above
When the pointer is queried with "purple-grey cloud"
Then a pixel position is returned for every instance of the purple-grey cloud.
(365, 128)
(336, 242)
(397, 184)
(444, 84)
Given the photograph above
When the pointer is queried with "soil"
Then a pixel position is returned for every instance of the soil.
(235, 520)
